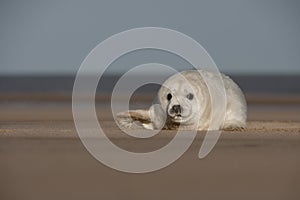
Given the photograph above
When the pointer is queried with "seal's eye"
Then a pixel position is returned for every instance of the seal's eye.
(169, 96)
(190, 96)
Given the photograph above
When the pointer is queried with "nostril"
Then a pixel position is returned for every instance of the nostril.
(177, 109)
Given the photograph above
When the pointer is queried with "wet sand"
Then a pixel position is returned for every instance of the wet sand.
(41, 157)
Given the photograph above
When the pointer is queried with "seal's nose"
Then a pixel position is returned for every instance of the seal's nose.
(176, 109)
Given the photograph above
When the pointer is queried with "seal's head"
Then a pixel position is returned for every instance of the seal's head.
(179, 97)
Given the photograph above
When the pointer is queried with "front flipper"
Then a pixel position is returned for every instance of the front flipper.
(154, 118)
(134, 119)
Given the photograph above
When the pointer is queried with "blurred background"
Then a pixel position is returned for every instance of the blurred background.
(43, 42)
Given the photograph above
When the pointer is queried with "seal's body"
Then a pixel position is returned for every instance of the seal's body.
(184, 101)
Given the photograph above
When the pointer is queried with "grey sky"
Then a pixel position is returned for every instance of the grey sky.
(53, 37)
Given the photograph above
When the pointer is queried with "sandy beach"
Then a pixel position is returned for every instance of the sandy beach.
(42, 157)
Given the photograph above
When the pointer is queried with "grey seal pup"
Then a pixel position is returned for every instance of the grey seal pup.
(184, 101)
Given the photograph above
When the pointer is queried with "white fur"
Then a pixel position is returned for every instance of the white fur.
(194, 113)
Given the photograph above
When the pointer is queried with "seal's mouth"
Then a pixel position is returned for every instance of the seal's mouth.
(177, 118)
(182, 119)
